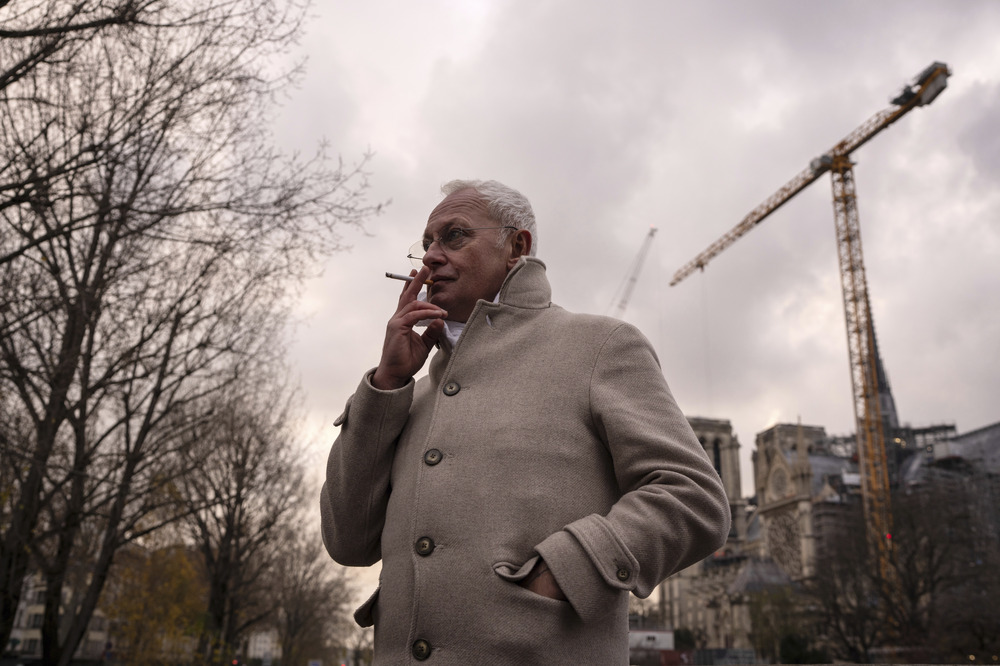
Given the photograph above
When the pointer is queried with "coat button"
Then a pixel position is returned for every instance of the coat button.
(624, 574)
(432, 457)
(421, 649)
(424, 546)
(451, 388)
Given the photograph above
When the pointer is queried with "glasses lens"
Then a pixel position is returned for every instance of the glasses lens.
(416, 254)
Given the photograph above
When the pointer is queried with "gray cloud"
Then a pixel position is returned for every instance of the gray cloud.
(686, 116)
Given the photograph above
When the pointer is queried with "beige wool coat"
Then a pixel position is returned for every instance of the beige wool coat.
(542, 433)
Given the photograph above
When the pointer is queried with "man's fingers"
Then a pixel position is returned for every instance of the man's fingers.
(416, 311)
(421, 306)
(413, 287)
(434, 331)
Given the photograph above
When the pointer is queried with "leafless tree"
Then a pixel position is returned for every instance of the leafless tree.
(846, 593)
(930, 594)
(777, 614)
(47, 33)
(246, 487)
(361, 645)
(932, 531)
(946, 565)
(149, 237)
(313, 599)
(969, 615)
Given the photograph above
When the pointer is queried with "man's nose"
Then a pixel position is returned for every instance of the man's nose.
(434, 256)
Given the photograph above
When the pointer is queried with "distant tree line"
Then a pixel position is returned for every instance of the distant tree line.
(151, 240)
(936, 603)
(938, 600)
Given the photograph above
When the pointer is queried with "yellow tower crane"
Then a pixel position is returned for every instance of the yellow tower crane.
(871, 437)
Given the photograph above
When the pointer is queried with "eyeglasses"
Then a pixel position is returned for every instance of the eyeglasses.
(452, 239)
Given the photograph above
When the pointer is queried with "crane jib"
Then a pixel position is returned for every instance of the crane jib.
(929, 84)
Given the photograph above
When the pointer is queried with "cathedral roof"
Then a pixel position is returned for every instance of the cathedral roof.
(974, 452)
(756, 575)
(825, 466)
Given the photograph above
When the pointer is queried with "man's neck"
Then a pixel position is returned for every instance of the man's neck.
(453, 329)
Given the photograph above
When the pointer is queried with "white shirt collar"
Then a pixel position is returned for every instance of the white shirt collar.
(453, 329)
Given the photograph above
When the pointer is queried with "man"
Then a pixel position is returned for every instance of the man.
(539, 473)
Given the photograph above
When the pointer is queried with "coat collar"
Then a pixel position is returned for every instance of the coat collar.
(526, 285)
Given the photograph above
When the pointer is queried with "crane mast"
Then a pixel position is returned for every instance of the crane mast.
(633, 274)
(871, 435)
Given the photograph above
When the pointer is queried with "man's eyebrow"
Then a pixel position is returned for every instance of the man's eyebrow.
(450, 224)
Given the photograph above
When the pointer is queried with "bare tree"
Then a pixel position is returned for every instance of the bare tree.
(149, 241)
(37, 31)
(246, 487)
(932, 537)
(361, 645)
(775, 614)
(969, 615)
(313, 599)
(49, 33)
(846, 592)
(944, 601)
(937, 588)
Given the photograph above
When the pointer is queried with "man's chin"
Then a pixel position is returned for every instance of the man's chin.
(438, 299)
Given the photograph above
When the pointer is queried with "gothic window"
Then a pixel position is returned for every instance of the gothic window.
(717, 457)
(779, 483)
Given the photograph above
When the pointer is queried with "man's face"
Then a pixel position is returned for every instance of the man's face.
(476, 269)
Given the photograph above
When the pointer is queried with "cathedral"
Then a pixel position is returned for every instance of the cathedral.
(804, 480)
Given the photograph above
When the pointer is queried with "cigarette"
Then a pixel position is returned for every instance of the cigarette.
(404, 278)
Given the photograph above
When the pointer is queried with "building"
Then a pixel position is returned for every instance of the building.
(26, 636)
(807, 488)
(696, 599)
(802, 480)
(966, 466)
(723, 448)
(264, 646)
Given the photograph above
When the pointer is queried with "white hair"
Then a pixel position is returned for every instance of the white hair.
(504, 204)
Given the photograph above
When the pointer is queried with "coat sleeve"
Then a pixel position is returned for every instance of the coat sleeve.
(356, 491)
(673, 510)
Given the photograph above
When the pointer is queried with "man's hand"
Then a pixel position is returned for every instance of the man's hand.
(405, 351)
(541, 581)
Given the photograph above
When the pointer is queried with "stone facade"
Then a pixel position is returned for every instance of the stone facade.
(723, 449)
(783, 479)
(697, 598)
(802, 478)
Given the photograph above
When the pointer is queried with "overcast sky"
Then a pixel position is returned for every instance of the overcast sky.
(614, 117)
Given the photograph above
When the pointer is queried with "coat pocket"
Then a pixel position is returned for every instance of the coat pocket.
(514, 573)
(364, 616)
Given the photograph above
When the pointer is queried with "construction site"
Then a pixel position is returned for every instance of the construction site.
(881, 545)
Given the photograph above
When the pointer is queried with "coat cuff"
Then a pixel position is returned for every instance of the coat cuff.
(591, 566)
(387, 399)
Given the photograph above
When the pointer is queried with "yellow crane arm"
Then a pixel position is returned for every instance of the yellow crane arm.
(755, 217)
(929, 84)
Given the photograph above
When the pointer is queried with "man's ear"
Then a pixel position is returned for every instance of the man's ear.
(520, 246)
